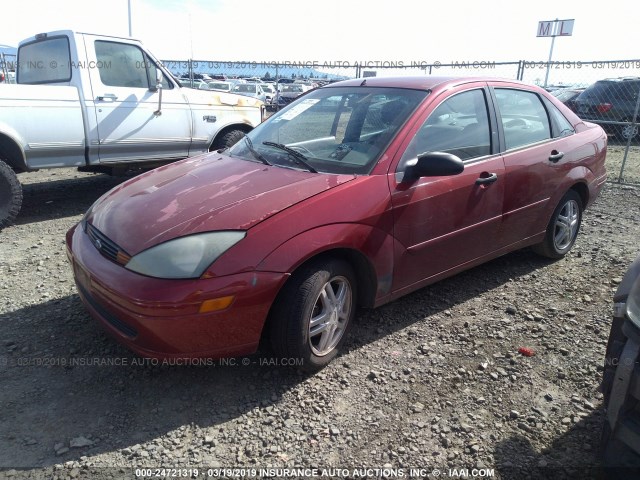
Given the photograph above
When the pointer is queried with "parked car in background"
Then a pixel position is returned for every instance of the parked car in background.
(250, 90)
(290, 91)
(568, 96)
(269, 91)
(7, 77)
(352, 196)
(218, 86)
(193, 83)
(620, 442)
(611, 103)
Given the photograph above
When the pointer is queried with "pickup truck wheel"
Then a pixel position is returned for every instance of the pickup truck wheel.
(227, 140)
(10, 195)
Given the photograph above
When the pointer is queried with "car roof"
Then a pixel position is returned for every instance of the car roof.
(418, 83)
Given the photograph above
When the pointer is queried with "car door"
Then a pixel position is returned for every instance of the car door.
(129, 125)
(441, 223)
(537, 145)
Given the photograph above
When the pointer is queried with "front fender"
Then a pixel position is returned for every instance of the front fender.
(346, 239)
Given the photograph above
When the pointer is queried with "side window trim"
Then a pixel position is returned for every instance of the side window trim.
(556, 129)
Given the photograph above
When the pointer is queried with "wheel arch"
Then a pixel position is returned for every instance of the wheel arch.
(12, 153)
(582, 190)
(243, 127)
(363, 269)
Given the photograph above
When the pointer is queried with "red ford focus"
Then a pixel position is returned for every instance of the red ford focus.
(353, 195)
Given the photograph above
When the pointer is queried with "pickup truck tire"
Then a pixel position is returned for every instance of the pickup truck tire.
(227, 140)
(10, 195)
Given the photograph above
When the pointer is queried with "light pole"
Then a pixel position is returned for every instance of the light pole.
(129, 10)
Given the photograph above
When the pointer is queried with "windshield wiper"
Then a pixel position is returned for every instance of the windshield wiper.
(297, 156)
(254, 152)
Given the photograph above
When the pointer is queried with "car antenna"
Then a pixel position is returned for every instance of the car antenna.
(363, 82)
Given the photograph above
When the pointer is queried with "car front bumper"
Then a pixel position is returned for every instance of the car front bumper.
(160, 318)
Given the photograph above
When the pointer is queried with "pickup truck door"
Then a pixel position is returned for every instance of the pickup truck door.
(128, 125)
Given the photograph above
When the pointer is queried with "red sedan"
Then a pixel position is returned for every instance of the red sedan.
(354, 195)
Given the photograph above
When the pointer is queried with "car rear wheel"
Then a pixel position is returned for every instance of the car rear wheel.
(628, 131)
(313, 313)
(563, 227)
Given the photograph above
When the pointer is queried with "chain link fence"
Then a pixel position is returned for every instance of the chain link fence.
(603, 92)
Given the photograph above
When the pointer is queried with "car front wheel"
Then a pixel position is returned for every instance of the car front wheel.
(563, 227)
(313, 314)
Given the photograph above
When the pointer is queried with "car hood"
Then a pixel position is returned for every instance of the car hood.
(207, 193)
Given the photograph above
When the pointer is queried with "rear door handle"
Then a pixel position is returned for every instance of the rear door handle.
(108, 96)
(555, 156)
(486, 180)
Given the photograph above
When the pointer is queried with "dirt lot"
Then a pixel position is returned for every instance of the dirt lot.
(631, 173)
(433, 381)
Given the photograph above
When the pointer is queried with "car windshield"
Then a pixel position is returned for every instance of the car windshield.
(245, 87)
(564, 95)
(336, 129)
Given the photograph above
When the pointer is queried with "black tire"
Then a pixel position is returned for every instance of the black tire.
(10, 195)
(617, 459)
(561, 234)
(227, 140)
(300, 299)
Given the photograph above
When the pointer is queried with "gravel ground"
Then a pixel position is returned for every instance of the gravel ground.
(433, 381)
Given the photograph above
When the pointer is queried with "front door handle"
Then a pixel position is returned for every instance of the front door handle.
(490, 178)
(555, 156)
(108, 96)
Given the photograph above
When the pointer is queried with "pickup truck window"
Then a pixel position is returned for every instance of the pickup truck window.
(121, 65)
(44, 61)
(124, 65)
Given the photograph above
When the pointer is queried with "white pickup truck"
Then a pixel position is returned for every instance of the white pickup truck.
(105, 104)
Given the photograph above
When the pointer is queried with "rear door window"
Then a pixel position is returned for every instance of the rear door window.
(524, 118)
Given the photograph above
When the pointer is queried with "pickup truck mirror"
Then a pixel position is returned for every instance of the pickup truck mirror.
(158, 79)
(158, 112)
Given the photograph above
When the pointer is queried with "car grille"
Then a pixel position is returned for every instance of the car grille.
(106, 247)
(114, 321)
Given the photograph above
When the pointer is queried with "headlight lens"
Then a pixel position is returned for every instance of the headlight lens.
(633, 303)
(185, 257)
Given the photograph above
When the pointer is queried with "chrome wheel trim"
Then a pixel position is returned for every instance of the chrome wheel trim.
(567, 224)
(629, 131)
(330, 315)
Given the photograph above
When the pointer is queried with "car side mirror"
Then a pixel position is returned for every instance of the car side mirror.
(434, 164)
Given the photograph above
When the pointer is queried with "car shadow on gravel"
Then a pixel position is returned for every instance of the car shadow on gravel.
(69, 390)
(571, 456)
(442, 296)
(65, 383)
(55, 199)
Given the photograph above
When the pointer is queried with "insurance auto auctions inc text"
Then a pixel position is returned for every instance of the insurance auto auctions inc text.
(309, 473)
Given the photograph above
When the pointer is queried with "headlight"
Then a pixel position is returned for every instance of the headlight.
(185, 257)
(633, 303)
